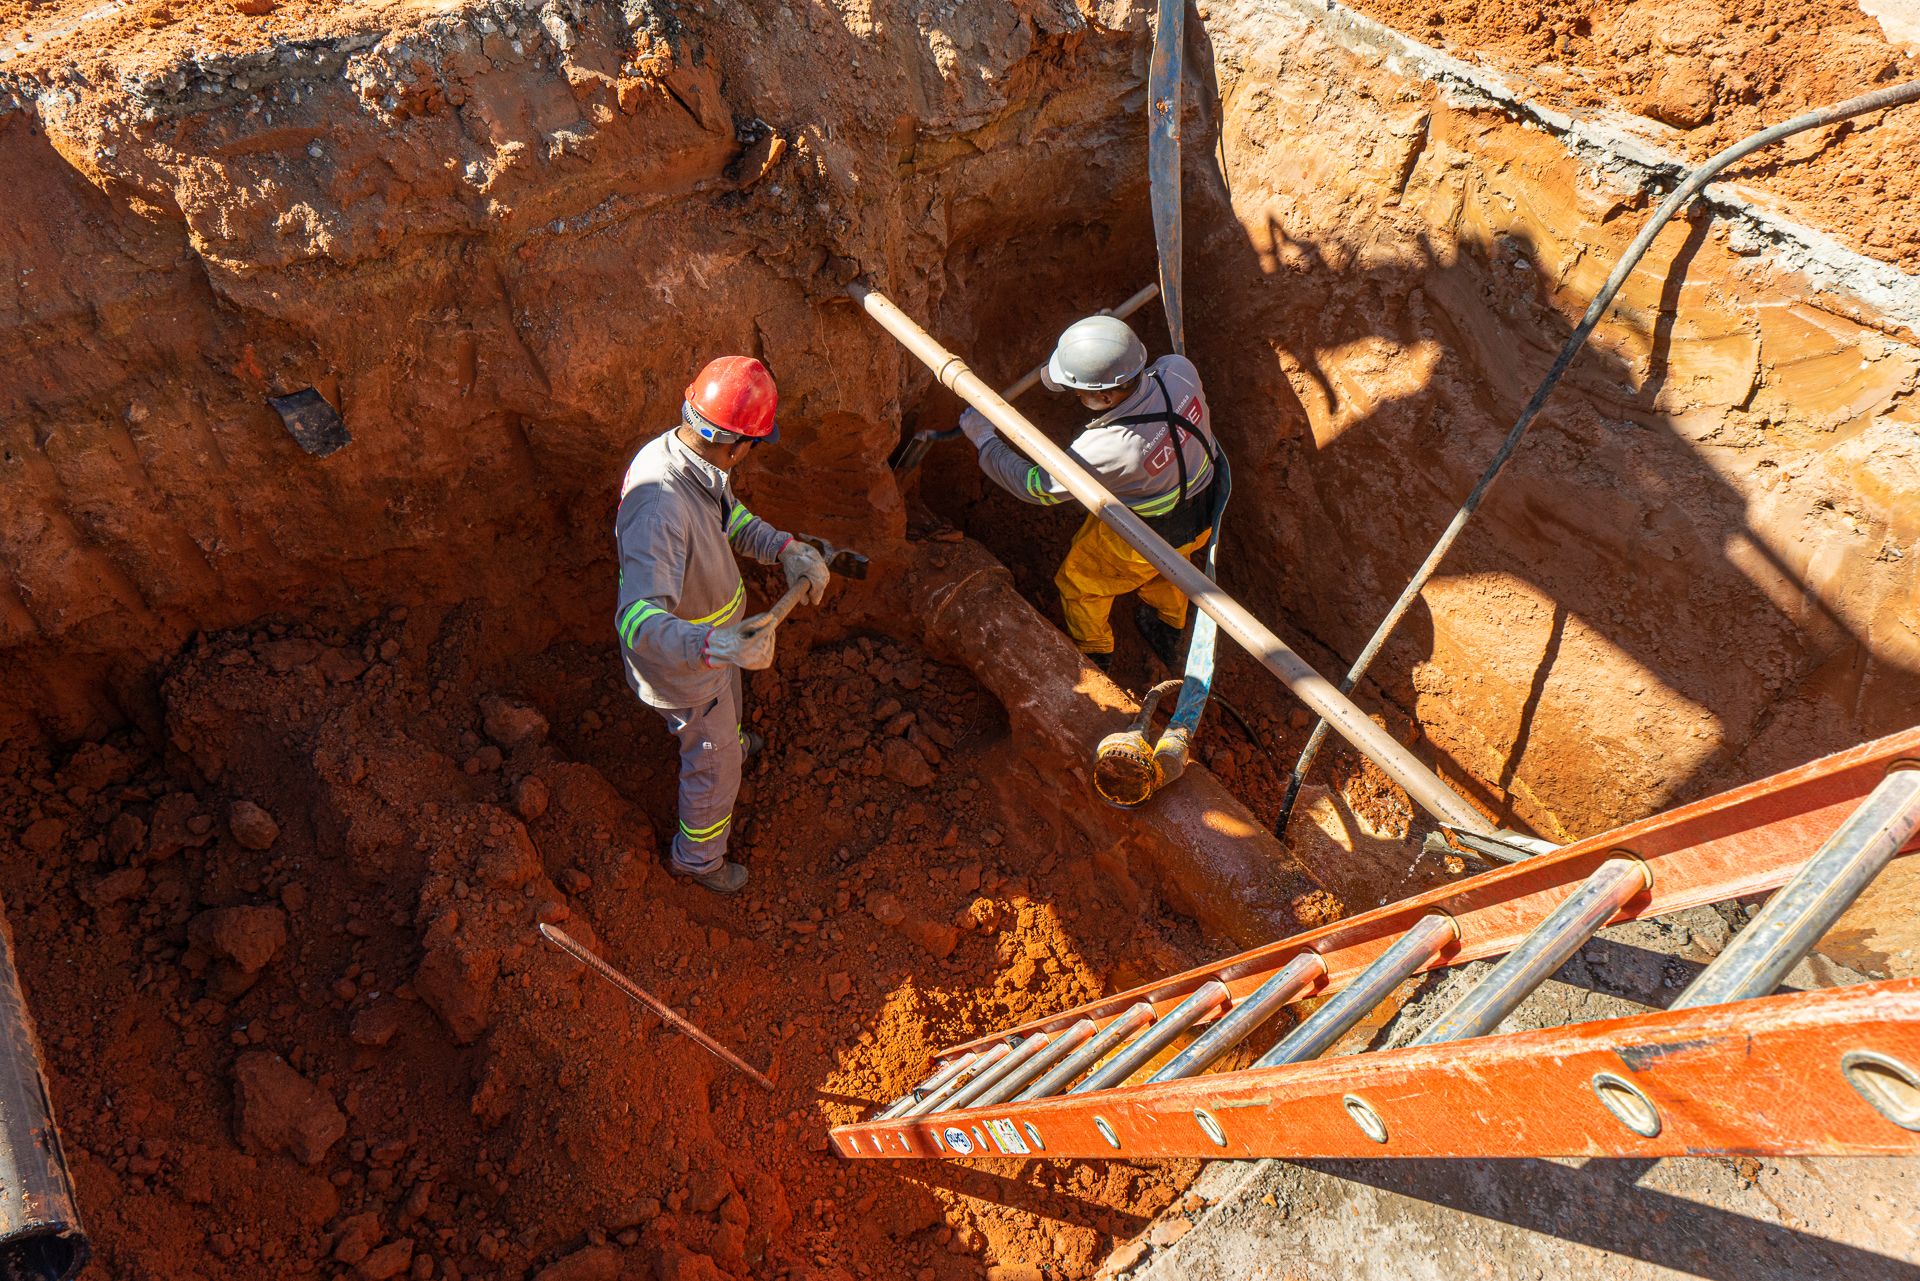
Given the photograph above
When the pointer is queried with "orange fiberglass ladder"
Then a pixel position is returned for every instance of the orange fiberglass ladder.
(1729, 1068)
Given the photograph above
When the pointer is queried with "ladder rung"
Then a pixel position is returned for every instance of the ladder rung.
(1543, 951)
(938, 1098)
(1429, 936)
(1805, 908)
(940, 1077)
(1235, 1026)
(970, 1094)
(1207, 998)
(1020, 1077)
(1124, 1025)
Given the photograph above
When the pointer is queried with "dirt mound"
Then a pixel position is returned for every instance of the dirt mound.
(349, 1052)
(1715, 71)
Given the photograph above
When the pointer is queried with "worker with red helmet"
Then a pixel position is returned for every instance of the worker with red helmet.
(682, 600)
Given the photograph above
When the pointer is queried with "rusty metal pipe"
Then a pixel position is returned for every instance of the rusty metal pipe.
(1313, 689)
(40, 1234)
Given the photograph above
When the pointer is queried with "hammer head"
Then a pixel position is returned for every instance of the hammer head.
(840, 560)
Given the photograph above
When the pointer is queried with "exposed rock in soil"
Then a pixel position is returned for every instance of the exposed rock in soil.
(279, 1110)
(252, 826)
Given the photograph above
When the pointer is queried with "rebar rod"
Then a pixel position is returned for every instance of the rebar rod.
(572, 947)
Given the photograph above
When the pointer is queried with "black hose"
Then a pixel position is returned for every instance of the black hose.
(1875, 101)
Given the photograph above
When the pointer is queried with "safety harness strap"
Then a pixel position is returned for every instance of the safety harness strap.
(1177, 427)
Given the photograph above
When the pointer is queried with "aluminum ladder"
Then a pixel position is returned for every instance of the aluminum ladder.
(1728, 1068)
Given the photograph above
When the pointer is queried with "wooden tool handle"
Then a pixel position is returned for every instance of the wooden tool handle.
(778, 614)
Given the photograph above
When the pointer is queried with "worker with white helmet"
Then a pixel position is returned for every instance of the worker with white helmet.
(682, 600)
(1152, 446)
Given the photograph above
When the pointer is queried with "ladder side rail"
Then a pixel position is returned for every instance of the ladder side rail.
(1745, 841)
(1798, 1074)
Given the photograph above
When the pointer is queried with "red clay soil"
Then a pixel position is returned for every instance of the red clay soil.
(299, 1021)
(1717, 72)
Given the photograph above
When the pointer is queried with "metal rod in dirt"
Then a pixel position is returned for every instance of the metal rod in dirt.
(1429, 936)
(572, 947)
(1313, 689)
(1805, 908)
(1577, 919)
(40, 1234)
(1687, 190)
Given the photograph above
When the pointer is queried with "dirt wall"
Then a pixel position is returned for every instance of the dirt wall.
(1698, 568)
(498, 239)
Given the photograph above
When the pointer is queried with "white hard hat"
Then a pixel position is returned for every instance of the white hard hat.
(1095, 354)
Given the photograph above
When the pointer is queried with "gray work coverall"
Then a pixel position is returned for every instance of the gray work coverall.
(678, 528)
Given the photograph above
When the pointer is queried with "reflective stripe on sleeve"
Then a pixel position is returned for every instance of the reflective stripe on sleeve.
(1037, 486)
(738, 521)
(634, 615)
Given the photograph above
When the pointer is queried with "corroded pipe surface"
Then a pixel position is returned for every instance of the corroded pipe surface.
(1211, 858)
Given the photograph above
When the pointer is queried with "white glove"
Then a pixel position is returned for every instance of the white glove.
(974, 423)
(803, 560)
(738, 647)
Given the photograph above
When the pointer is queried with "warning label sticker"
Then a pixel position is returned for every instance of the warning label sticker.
(1007, 1135)
(957, 1140)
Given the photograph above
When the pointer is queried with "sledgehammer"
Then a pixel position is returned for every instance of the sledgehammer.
(910, 451)
(843, 561)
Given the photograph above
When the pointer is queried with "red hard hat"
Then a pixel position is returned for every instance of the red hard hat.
(736, 394)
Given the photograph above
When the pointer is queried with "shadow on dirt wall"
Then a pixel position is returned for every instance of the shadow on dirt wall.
(1608, 511)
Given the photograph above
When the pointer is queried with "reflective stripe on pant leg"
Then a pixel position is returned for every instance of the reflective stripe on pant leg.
(709, 780)
(1167, 600)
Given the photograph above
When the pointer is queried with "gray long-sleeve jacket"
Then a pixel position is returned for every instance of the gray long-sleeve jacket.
(1134, 461)
(678, 528)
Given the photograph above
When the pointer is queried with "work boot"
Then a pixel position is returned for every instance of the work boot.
(752, 743)
(1162, 639)
(1102, 661)
(728, 878)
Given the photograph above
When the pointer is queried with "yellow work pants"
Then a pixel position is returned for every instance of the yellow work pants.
(1099, 567)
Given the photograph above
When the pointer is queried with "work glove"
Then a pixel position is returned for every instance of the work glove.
(735, 646)
(803, 560)
(976, 427)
